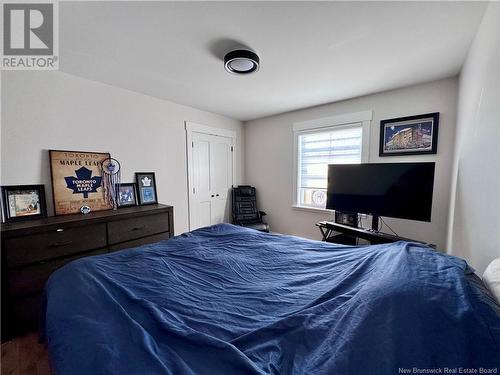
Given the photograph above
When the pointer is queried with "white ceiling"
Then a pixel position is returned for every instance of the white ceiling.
(311, 52)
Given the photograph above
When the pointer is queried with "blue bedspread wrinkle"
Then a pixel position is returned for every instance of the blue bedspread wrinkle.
(230, 300)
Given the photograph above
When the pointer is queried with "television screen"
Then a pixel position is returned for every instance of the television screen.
(401, 190)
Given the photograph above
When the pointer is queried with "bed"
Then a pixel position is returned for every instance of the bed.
(230, 300)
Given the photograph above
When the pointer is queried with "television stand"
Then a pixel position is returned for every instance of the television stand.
(347, 235)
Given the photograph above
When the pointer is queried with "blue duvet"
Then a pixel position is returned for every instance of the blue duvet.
(229, 300)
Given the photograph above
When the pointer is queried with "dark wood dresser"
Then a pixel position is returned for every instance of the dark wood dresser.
(32, 250)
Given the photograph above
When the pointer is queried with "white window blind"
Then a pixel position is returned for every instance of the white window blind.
(317, 149)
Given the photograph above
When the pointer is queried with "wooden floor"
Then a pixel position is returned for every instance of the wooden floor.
(24, 355)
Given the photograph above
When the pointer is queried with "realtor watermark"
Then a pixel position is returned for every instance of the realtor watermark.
(30, 36)
(448, 370)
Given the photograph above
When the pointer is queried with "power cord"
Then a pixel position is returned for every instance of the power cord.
(387, 225)
(381, 223)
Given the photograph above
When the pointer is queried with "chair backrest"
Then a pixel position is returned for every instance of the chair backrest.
(245, 204)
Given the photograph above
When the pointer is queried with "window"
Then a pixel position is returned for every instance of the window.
(342, 139)
(316, 148)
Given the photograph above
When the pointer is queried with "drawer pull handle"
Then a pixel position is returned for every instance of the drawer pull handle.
(59, 230)
(59, 244)
(139, 228)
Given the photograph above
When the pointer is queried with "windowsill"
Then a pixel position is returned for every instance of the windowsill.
(312, 209)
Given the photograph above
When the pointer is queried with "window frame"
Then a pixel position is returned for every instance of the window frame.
(362, 119)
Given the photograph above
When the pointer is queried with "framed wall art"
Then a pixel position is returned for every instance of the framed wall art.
(23, 202)
(412, 135)
(126, 195)
(77, 181)
(146, 187)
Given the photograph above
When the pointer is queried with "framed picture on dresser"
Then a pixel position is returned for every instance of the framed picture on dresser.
(146, 188)
(126, 195)
(77, 181)
(23, 202)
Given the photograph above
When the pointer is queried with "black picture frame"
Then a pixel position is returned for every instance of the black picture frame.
(10, 191)
(410, 135)
(147, 194)
(123, 188)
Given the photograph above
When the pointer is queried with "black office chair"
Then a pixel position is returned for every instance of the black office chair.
(245, 211)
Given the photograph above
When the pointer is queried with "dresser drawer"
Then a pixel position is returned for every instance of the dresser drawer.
(53, 244)
(32, 279)
(139, 242)
(130, 229)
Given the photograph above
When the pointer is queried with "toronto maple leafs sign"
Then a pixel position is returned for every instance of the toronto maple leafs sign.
(84, 183)
(77, 181)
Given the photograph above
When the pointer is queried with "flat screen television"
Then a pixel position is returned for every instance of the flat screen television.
(401, 190)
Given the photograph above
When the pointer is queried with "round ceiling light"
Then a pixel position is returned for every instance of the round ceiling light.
(241, 61)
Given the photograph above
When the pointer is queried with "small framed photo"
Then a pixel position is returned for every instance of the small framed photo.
(126, 195)
(23, 202)
(412, 135)
(146, 188)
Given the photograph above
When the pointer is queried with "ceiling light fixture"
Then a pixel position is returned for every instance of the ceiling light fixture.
(241, 61)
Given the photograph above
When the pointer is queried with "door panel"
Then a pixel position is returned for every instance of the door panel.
(201, 160)
(218, 214)
(211, 179)
(204, 214)
(220, 161)
(201, 181)
(220, 177)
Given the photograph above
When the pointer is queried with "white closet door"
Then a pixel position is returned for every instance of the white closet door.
(200, 209)
(221, 177)
(212, 176)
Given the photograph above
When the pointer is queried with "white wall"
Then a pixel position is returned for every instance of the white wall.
(54, 110)
(269, 156)
(474, 232)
